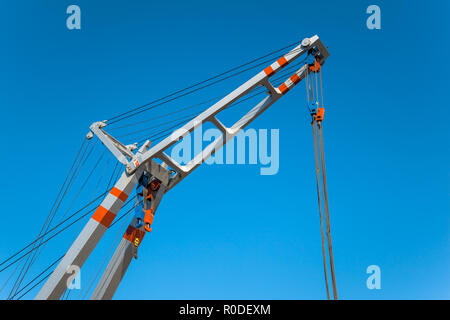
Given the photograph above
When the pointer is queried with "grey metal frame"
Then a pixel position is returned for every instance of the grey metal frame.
(143, 159)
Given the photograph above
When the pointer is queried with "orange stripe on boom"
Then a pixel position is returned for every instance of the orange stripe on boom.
(103, 216)
(282, 61)
(119, 194)
(295, 78)
(268, 71)
(283, 88)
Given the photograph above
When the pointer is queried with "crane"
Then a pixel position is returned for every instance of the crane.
(151, 170)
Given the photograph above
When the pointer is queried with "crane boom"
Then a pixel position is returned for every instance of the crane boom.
(144, 160)
(123, 255)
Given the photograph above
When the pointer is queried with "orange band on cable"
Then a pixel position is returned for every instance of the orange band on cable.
(268, 71)
(283, 88)
(103, 216)
(119, 194)
(282, 61)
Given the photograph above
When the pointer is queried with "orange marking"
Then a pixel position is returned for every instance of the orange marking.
(268, 71)
(148, 220)
(295, 78)
(154, 185)
(132, 233)
(148, 216)
(282, 61)
(315, 68)
(103, 216)
(320, 114)
(119, 194)
(128, 235)
(283, 88)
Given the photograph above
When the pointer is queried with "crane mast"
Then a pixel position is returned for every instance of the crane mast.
(167, 171)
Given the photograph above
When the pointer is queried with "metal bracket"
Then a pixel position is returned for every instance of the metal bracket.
(132, 161)
(261, 79)
(158, 171)
(144, 160)
(120, 151)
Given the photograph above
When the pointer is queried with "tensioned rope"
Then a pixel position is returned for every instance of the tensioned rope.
(46, 229)
(136, 110)
(155, 135)
(51, 230)
(57, 260)
(38, 249)
(26, 266)
(40, 237)
(319, 200)
(316, 107)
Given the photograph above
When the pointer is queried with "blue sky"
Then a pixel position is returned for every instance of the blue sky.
(226, 232)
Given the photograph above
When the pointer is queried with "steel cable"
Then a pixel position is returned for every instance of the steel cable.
(122, 116)
(26, 266)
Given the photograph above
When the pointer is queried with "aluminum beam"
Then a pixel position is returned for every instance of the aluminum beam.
(123, 255)
(105, 214)
(89, 237)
